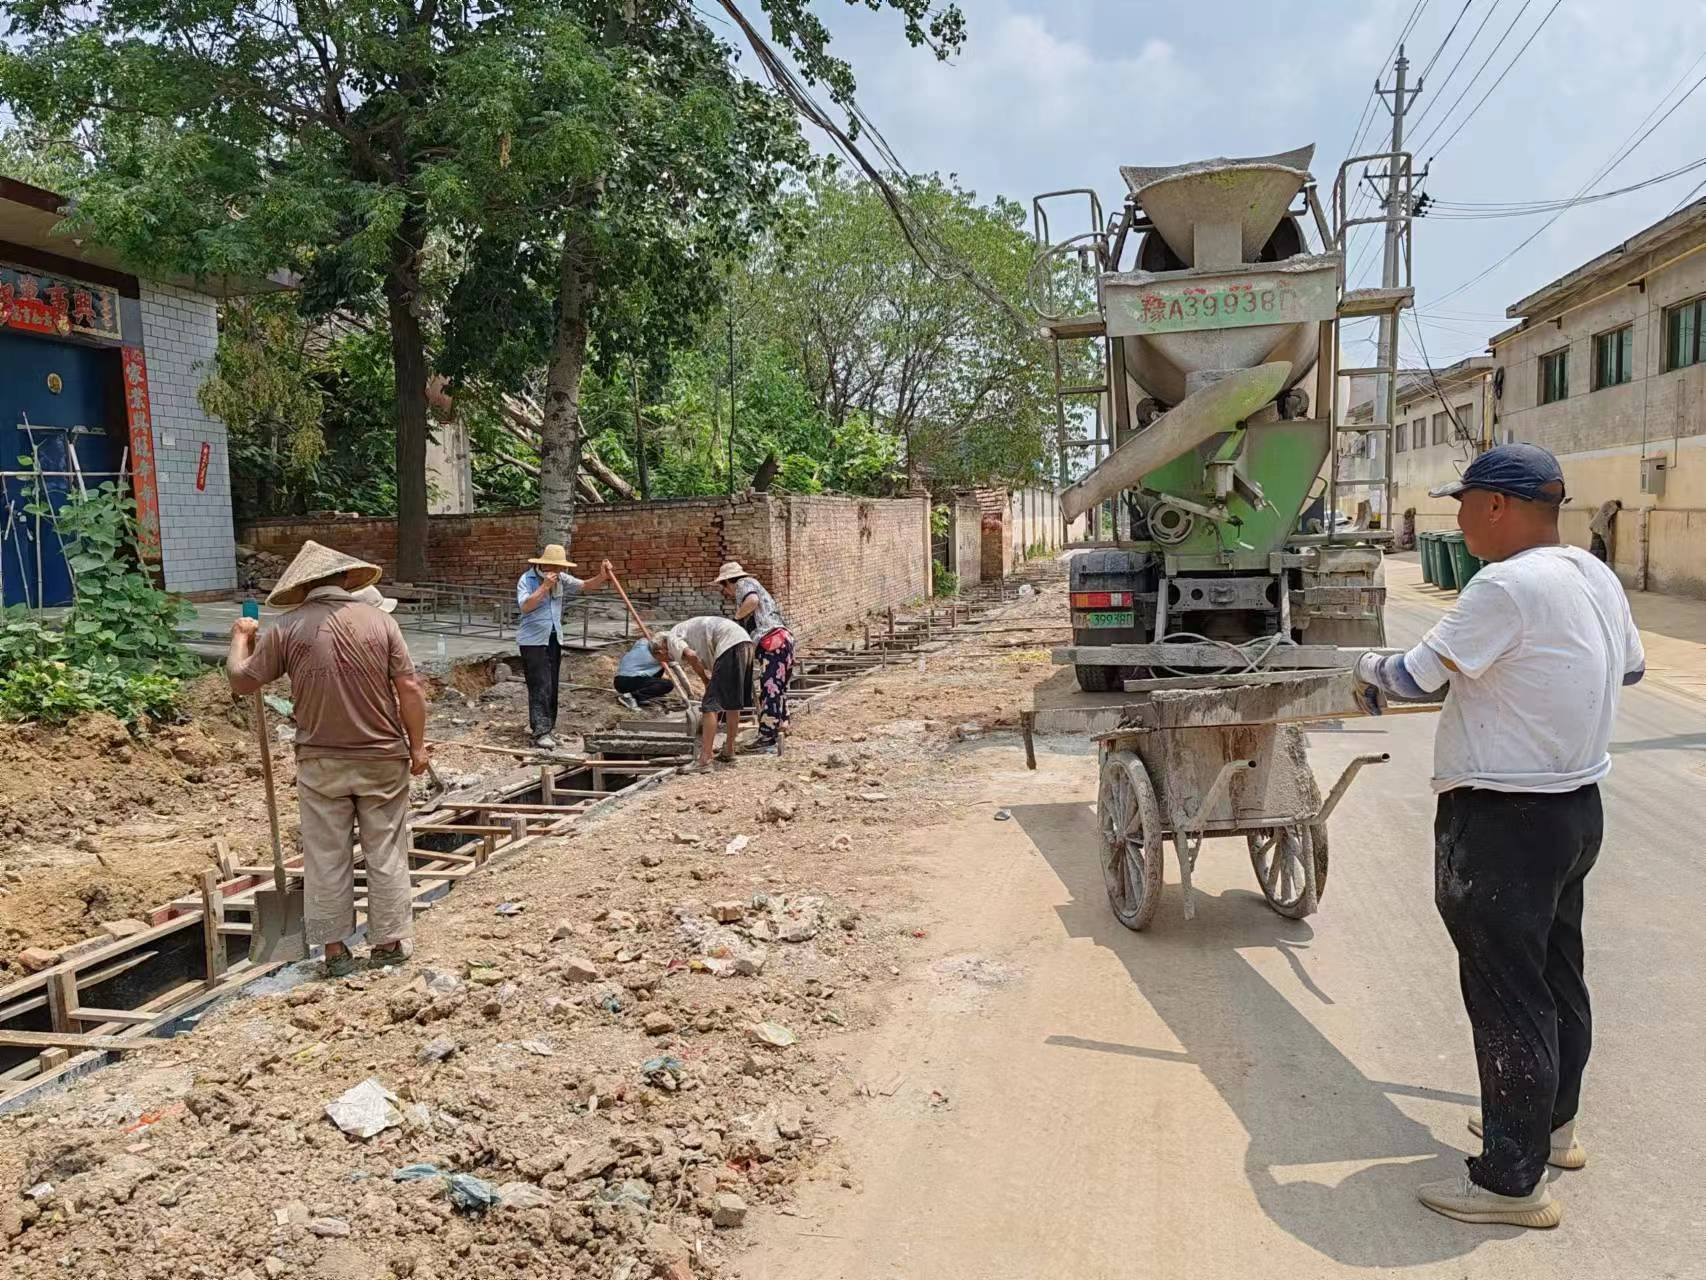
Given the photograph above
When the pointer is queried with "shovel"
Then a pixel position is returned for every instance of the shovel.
(280, 935)
(677, 676)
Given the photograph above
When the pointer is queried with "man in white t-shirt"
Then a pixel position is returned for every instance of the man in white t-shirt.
(1535, 653)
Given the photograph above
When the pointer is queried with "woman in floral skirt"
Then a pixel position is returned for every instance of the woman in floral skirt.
(755, 609)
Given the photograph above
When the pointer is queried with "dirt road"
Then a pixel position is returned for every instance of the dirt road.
(1244, 1095)
(990, 1078)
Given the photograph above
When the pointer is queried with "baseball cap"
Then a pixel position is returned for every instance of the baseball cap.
(1519, 470)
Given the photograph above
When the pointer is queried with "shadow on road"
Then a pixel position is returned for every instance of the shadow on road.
(1332, 1159)
(1673, 742)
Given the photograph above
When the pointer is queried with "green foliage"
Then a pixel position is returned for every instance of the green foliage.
(934, 362)
(947, 582)
(52, 691)
(118, 650)
(120, 618)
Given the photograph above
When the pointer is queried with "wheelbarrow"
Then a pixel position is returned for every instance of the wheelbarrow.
(1191, 782)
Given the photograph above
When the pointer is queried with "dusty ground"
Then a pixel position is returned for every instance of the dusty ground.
(98, 824)
(213, 1156)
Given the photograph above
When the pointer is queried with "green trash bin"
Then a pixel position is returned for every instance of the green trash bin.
(1425, 550)
(1445, 572)
(1463, 565)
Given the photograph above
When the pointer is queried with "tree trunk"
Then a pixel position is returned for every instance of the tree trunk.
(560, 424)
(409, 367)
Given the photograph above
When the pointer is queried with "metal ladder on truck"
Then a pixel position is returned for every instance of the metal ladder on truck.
(1087, 247)
(1387, 303)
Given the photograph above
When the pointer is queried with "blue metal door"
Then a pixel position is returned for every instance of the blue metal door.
(57, 399)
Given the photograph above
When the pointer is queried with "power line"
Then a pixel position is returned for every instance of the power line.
(1439, 391)
(1496, 83)
(1604, 170)
(1697, 190)
(1366, 119)
(1478, 213)
(1485, 62)
(1439, 89)
(1453, 31)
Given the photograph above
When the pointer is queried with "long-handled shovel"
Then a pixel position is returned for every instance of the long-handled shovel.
(676, 674)
(279, 934)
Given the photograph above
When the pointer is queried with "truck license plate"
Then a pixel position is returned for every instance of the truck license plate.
(1109, 618)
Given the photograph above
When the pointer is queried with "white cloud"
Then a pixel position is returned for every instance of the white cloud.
(1060, 93)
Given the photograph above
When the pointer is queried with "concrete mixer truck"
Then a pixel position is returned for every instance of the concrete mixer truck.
(1216, 545)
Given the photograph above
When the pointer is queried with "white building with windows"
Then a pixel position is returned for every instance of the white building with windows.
(1443, 419)
(1606, 367)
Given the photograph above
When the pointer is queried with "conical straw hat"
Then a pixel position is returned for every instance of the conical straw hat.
(315, 562)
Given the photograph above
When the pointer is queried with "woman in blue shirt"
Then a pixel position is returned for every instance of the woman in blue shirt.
(539, 594)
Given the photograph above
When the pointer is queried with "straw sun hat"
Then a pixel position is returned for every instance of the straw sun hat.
(552, 557)
(729, 572)
(313, 564)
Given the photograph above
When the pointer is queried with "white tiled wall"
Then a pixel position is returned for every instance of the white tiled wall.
(179, 333)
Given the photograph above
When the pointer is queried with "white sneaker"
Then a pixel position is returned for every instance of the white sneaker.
(545, 742)
(1566, 1152)
(1462, 1198)
(627, 700)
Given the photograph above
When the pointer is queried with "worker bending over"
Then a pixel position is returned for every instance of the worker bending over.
(1535, 653)
(640, 677)
(360, 733)
(720, 653)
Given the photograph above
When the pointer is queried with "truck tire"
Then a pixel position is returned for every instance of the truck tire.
(1100, 679)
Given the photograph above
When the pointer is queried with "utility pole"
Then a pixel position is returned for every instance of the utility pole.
(1386, 388)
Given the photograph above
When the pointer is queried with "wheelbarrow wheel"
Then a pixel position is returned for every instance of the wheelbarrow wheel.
(1277, 854)
(1131, 839)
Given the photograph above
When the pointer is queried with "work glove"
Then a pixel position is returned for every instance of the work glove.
(1371, 698)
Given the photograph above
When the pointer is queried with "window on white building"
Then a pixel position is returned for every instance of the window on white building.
(1464, 421)
(1442, 428)
(1400, 437)
(1613, 357)
(1554, 376)
(1684, 326)
(1419, 434)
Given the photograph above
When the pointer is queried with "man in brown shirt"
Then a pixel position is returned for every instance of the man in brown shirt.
(360, 733)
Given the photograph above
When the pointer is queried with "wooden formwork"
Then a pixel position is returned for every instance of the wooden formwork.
(106, 997)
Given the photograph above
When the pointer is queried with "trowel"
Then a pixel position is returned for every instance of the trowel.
(280, 935)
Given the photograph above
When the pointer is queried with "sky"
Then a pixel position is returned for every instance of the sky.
(1059, 93)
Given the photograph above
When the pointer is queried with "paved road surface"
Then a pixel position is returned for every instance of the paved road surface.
(1246, 1096)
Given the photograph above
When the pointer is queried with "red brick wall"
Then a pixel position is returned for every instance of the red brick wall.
(834, 560)
(827, 560)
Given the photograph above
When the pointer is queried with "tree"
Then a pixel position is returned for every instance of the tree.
(240, 138)
(652, 165)
(951, 371)
(600, 155)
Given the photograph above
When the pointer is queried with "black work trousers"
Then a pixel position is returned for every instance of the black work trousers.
(1508, 874)
(542, 664)
(644, 689)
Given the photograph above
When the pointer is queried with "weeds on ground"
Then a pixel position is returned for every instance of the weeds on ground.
(118, 649)
(946, 580)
